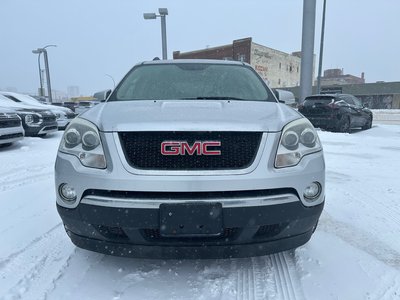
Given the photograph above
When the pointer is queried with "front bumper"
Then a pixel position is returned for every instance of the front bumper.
(11, 134)
(41, 129)
(248, 231)
(117, 208)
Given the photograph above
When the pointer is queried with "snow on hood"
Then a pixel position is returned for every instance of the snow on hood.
(30, 101)
(190, 115)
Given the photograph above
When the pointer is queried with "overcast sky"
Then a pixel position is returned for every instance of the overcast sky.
(98, 37)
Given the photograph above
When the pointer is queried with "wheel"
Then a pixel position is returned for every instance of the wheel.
(344, 124)
(367, 125)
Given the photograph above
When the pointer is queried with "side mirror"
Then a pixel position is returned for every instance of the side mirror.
(366, 105)
(284, 96)
(102, 95)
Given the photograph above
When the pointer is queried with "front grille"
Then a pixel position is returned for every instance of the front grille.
(11, 136)
(143, 150)
(49, 118)
(6, 123)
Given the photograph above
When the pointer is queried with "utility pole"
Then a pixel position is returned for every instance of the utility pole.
(321, 50)
(307, 49)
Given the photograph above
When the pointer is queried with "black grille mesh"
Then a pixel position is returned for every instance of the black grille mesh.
(5, 123)
(143, 150)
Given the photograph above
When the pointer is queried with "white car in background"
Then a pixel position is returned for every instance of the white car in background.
(64, 115)
(11, 129)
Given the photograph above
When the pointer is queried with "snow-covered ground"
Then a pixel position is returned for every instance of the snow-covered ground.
(354, 254)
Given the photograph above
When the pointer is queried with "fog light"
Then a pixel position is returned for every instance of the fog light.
(312, 191)
(67, 193)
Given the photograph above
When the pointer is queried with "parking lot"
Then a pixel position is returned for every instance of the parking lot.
(356, 241)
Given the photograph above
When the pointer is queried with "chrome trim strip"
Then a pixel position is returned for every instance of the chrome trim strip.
(46, 130)
(155, 203)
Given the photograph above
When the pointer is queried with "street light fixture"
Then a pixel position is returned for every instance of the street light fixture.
(46, 63)
(162, 13)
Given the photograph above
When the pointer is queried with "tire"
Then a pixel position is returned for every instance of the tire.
(367, 125)
(344, 124)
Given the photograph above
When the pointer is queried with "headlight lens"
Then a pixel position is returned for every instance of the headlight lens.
(29, 119)
(298, 139)
(33, 119)
(81, 138)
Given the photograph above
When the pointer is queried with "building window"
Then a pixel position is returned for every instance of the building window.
(297, 69)
(279, 81)
(242, 57)
(290, 69)
(280, 66)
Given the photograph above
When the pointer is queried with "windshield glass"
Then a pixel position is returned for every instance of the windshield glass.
(192, 81)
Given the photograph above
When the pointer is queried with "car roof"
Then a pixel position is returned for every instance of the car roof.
(193, 61)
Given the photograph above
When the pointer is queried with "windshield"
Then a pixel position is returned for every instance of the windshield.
(192, 81)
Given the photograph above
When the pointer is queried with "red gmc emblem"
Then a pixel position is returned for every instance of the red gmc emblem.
(183, 148)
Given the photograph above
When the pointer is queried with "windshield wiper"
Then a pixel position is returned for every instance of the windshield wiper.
(210, 98)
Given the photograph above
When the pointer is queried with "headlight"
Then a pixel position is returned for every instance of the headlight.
(81, 138)
(33, 119)
(29, 119)
(298, 139)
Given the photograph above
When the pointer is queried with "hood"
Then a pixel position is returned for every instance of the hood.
(193, 115)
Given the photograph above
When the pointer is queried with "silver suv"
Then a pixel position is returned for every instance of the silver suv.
(190, 158)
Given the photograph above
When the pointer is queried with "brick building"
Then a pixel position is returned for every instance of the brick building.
(337, 76)
(277, 68)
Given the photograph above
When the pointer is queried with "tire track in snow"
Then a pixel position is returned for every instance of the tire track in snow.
(286, 277)
(18, 177)
(29, 272)
(268, 277)
(360, 239)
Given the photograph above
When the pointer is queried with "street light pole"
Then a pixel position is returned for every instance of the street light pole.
(111, 79)
(164, 37)
(46, 63)
(41, 94)
(307, 49)
(163, 12)
(321, 50)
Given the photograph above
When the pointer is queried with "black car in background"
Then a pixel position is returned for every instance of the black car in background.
(337, 112)
(35, 121)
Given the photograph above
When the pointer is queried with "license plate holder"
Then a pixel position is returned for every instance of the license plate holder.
(191, 219)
